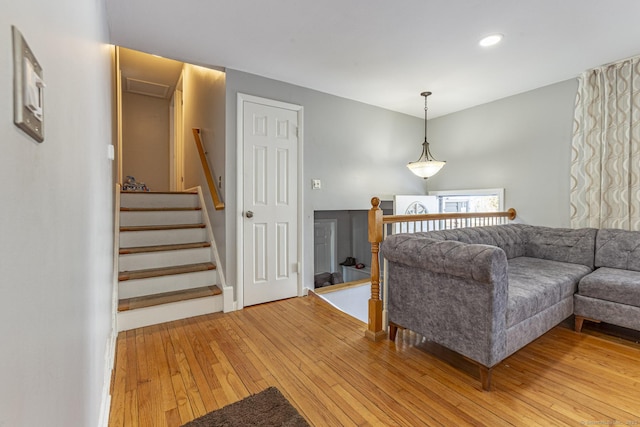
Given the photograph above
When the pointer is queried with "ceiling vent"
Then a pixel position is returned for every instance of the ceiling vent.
(147, 88)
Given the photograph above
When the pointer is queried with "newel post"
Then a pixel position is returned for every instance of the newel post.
(374, 329)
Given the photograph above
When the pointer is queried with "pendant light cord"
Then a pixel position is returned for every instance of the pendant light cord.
(425, 117)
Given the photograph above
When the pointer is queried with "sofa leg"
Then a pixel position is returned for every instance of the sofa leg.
(393, 331)
(485, 377)
(580, 320)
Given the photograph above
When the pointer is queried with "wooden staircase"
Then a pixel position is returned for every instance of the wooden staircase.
(166, 268)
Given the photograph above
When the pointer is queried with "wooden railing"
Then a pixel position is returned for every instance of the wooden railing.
(380, 226)
(213, 189)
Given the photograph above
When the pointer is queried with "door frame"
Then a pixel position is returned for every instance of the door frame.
(176, 139)
(241, 99)
(119, 166)
(334, 242)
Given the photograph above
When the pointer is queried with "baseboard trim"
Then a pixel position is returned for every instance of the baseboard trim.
(228, 302)
(109, 366)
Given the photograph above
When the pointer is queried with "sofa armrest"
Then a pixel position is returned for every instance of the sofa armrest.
(452, 293)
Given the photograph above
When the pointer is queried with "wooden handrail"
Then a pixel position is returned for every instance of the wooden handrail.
(390, 219)
(213, 189)
(377, 220)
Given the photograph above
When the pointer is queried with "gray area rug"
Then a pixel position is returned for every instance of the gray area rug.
(267, 408)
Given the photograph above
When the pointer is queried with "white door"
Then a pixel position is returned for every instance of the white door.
(324, 242)
(270, 202)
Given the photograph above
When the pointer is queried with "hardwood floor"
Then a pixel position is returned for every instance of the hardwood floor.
(318, 357)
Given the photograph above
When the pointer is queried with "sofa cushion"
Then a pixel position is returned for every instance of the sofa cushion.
(537, 284)
(618, 249)
(612, 284)
(562, 244)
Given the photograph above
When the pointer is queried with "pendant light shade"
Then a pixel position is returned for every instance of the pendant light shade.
(426, 166)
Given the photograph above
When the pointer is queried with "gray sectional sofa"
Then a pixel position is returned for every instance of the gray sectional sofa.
(486, 292)
(611, 293)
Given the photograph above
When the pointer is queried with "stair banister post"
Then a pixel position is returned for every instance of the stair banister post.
(374, 330)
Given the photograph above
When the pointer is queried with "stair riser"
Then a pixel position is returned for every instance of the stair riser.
(130, 239)
(139, 318)
(157, 285)
(133, 218)
(148, 260)
(153, 200)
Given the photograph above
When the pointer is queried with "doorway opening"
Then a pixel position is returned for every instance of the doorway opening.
(160, 100)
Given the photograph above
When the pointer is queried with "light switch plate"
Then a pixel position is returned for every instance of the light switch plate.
(24, 61)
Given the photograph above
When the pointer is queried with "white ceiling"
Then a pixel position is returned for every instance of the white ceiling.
(385, 52)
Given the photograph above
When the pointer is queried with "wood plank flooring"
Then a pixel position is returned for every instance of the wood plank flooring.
(168, 374)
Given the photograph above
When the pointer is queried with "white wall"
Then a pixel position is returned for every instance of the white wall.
(56, 220)
(145, 140)
(521, 143)
(358, 151)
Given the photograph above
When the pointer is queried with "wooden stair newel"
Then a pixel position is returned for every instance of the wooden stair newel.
(374, 329)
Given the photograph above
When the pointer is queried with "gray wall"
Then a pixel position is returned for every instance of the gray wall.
(521, 143)
(204, 108)
(56, 221)
(357, 150)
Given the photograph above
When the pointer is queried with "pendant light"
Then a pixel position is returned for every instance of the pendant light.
(426, 166)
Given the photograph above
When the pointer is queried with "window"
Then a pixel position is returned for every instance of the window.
(483, 200)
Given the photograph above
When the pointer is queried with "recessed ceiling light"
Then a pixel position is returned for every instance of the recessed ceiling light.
(491, 40)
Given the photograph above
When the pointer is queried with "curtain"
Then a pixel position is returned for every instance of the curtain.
(605, 152)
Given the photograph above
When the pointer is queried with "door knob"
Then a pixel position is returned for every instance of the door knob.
(249, 214)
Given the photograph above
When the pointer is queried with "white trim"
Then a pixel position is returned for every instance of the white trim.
(110, 360)
(241, 99)
(119, 137)
(116, 259)
(110, 350)
(172, 143)
(227, 291)
(177, 160)
(239, 202)
(334, 241)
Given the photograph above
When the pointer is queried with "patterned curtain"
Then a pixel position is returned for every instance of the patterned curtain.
(605, 153)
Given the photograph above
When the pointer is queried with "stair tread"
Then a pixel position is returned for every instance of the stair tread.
(161, 227)
(167, 297)
(165, 271)
(167, 209)
(160, 248)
